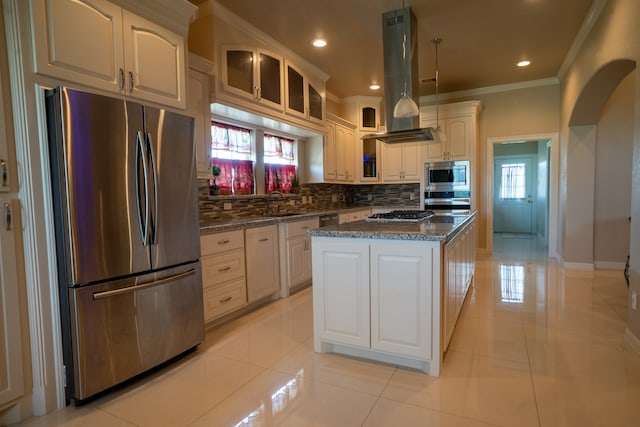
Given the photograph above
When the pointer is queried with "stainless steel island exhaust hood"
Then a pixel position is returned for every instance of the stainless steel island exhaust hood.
(400, 44)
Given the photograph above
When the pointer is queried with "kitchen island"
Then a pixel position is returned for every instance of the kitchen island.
(390, 290)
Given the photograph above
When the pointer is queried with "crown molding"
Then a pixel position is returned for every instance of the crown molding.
(587, 26)
(427, 100)
(175, 15)
(229, 17)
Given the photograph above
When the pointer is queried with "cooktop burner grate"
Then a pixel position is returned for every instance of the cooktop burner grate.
(401, 215)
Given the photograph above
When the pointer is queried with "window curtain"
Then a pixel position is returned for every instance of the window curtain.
(513, 181)
(236, 176)
(278, 177)
(276, 146)
(230, 138)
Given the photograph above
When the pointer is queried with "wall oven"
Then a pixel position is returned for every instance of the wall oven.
(447, 176)
(447, 187)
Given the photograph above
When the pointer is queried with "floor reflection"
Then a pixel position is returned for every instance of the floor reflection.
(512, 283)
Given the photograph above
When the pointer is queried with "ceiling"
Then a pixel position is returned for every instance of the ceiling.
(482, 40)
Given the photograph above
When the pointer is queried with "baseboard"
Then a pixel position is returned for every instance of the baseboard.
(578, 265)
(632, 341)
(608, 265)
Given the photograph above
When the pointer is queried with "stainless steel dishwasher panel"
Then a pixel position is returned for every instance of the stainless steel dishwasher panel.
(127, 326)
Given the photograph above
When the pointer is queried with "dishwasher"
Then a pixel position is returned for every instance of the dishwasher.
(328, 219)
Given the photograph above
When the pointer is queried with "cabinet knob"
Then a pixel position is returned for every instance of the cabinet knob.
(7, 216)
(3, 166)
(122, 80)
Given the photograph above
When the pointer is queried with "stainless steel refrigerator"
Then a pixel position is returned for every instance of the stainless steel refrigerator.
(127, 236)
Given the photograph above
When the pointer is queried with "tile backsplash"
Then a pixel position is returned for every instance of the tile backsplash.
(310, 198)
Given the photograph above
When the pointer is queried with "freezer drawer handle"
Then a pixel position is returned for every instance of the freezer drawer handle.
(107, 294)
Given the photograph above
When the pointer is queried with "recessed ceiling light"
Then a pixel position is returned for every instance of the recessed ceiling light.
(319, 43)
(523, 63)
(374, 87)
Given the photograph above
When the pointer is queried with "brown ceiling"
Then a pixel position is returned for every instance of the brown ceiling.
(482, 39)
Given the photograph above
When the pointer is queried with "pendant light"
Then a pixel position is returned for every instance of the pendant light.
(436, 41)
(405, 107)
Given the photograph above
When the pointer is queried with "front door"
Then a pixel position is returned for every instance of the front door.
(513, 203)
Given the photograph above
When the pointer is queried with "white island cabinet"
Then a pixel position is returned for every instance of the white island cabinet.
(378, 288)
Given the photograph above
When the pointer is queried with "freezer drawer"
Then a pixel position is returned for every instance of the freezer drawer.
(125, 327)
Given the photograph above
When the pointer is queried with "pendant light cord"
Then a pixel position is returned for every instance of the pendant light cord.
(437, 41)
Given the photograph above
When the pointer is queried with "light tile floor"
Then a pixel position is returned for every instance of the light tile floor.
(535, 345)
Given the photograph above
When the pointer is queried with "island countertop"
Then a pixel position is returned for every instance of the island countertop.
(436, 228)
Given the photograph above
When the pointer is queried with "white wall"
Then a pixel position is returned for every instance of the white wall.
(615, 36)
(614, 151)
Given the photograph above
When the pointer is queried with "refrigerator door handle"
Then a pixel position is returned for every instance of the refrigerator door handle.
(140, 153)
(129, 289)
(154, 170)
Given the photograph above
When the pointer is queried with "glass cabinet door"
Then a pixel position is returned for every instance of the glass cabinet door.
(295, 85)
(315, 103)
(240, 70)
(270, 78)
(369, 169)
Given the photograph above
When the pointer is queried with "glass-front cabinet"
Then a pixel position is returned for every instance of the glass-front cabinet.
(303, 97)
(370, 150)
(254, 74)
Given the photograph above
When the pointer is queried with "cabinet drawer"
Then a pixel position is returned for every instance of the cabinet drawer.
(220, 242)
(298, 228)
(218, 269)
(223, 299)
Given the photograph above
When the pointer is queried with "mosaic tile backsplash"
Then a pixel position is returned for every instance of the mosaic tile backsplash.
(316, 197)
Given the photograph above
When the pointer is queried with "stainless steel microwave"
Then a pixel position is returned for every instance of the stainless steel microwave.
(447, 176)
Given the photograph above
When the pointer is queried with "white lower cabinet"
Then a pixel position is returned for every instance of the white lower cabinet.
(379, 296)
(12, 384)
(295, 253)
(401, 298)
(341, 291)
(459, 269)
(223, 273)
(263, 273)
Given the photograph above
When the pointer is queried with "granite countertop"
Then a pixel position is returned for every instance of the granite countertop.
(259, 221)
(436, 228)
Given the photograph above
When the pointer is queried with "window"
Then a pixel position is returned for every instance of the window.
(231, 152)
(513, 182)
(279, 164)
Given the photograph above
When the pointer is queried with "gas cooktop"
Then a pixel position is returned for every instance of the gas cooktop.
(402, 215)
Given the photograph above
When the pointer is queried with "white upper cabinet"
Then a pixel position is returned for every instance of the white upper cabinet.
(254, 74)
(458, 121)
(402, 162)
(101, 45)
(339, 151)
(303, 98)
(154, 62)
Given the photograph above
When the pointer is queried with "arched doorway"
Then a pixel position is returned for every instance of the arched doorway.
(582, 160)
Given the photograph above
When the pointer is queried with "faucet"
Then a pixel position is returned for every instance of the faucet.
(277, 207)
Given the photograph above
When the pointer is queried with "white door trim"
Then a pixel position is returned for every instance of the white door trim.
(554, 183)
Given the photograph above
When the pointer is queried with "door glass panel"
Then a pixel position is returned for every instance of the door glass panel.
(240, 70)
(270, 78)
(513, 183)
(315, 103)
(296, 90)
